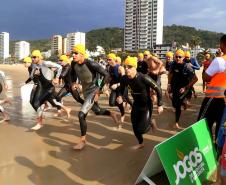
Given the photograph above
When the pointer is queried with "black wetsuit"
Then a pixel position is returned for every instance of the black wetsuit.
(87, 74)
(115, 79)
(182, 74)
(45, 90)
(32, 77)
(195, 66)
(142, 67)
(168, 64)
(67, 88)
(142, 105)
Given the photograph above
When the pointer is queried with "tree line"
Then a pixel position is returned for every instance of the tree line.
(110, 38)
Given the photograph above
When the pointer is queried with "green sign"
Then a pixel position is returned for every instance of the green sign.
(188, 157)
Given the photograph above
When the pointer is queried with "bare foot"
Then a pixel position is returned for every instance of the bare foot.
(80, 145)
(119, 127)
(154, 125)
(7, 118)
(68, 110)
(114, 117)
(177, 126)
(37, 127)
(122, 119)
(139, 146)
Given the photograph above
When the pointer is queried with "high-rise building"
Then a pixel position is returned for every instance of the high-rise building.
(4, 45)
(64, 45)
(75, 38)
(56, 45)
(143, 24)
(22, 49)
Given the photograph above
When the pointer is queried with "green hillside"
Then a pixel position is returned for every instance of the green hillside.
(193, 36)
(114, 38)
(106, 37)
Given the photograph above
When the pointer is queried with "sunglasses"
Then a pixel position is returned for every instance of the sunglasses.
(60, 60)
(178, 56)
(128, 67)
(75, 53)
(109, 59)
(33, 57)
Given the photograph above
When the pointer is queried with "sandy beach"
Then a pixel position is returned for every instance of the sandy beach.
(45, 157)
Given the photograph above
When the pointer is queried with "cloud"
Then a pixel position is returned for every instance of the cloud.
(33, 19)
(202, 14)
(213, 13)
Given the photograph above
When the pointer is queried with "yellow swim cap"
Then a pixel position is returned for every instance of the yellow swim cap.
(147, 52)
(36, 53)
(169, 54)
(79, 48)
(132, 61)
(111, 56)
(187, 54)
(180, 52)
(140, 55)
(27, 60)
(64, 58)
(208, 56)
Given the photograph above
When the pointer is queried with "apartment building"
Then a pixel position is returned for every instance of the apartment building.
(143, 24)
(75, 38)
(22, 49)
(4, 45)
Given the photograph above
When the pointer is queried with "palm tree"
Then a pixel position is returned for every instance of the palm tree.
(195, 41)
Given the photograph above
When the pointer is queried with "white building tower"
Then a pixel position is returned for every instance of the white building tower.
(4, 45)
(143, 24)
(22, 49)
(75, 38)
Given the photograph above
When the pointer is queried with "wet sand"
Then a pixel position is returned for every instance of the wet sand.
(45, 157)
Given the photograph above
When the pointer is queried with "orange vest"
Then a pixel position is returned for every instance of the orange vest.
(217, 85)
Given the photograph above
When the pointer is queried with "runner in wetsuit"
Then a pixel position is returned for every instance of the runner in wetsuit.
(45, 88)
(31, 68)
(181, 78)
(115, 83)
(28, 64)
(86, 71)
(68, 85)
(142, 66)
(169, 60)
(140, 85)
(195, 65)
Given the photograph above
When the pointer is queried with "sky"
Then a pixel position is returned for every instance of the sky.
(39, 19)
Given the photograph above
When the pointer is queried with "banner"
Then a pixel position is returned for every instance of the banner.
(188, 157)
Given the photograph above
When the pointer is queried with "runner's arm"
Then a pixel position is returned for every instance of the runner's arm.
(150, 82)
(65, 71)
(54, 65)
(98, 68)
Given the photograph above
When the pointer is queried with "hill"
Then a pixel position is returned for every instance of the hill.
(114, 38)
(106, 37)
(191, 35)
